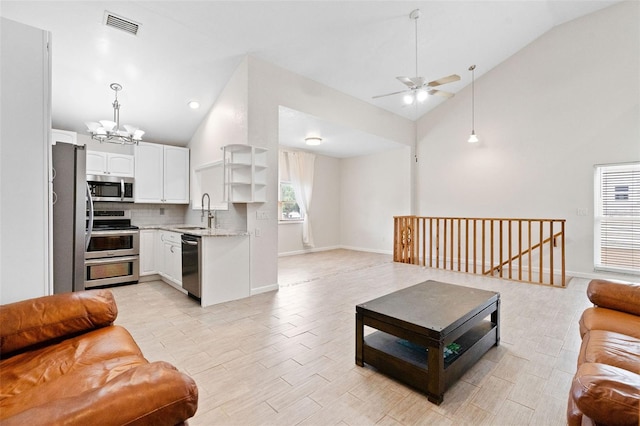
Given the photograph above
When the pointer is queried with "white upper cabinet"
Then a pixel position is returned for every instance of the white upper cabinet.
(107, 163)
(161, 173)
(245, 173)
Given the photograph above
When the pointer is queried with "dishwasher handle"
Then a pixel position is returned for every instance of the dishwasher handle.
(189, 242)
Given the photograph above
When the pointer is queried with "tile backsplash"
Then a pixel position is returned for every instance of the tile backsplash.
(149, 214)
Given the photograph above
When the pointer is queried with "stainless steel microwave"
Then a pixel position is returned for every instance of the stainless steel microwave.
(111, 188)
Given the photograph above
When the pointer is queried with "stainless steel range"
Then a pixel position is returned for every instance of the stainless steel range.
(113, 254)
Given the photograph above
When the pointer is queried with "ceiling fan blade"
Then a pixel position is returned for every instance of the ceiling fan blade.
(389, 94)
(441, 93)
(444, 80)
(407, 82)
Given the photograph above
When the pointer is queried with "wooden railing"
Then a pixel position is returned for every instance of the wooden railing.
(531, 250)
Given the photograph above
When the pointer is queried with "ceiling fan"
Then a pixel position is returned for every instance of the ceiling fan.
(418, 87)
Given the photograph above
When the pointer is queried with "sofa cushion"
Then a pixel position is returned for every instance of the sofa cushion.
(66, 369)
(44, 319)
(608, 347)
(607, 394)
(154, 394)
(597, 318)
(624, 297)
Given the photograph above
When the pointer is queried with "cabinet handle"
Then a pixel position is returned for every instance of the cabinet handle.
(171, 248)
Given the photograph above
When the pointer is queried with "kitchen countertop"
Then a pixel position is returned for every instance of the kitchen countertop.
(199, 231)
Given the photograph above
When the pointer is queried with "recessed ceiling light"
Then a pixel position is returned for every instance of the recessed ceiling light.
(194, 104)
(313, 140)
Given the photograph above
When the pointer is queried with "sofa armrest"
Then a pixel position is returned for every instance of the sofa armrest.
(37, 321)
(150, 394)
(612, 295)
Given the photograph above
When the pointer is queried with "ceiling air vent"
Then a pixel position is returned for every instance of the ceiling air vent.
(115, 21)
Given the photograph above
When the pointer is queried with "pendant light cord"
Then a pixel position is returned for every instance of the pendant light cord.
(472, 68)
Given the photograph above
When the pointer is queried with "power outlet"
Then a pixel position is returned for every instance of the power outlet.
(583, 211)
(262, 215)
(258, 232)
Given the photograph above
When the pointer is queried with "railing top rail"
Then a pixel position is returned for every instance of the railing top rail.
(484, 218)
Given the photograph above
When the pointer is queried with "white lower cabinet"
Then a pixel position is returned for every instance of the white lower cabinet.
(170, 257)
(148, 252)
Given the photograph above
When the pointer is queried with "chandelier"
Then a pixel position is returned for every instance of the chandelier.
(110, 131)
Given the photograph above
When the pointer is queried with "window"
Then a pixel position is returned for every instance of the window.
(617, 218)
(287, 204)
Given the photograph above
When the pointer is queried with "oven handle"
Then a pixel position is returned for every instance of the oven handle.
(87, 238)
(107, 260)
(121, 189)
(115, 232)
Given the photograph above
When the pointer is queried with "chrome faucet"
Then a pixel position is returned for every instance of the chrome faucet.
(210, 215)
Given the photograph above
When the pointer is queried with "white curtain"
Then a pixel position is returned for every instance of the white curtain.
(301, 166)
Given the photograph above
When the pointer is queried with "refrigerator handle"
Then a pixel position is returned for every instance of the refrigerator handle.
(87, 238)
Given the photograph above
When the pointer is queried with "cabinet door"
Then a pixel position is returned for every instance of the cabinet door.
(176, 175)
(120, 165)
(97, 163)
(148, 186)
(147, 252)
(176, 263)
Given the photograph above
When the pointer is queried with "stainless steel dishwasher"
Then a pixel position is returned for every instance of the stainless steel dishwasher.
(192, 265)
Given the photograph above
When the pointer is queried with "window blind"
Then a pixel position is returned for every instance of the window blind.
(617, 218)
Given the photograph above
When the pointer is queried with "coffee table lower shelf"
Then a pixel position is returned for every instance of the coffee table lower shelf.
(409, 364)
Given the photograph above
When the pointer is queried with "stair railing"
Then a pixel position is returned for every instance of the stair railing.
(513, 248)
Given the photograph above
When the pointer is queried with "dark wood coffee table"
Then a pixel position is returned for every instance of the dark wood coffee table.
(418, 323)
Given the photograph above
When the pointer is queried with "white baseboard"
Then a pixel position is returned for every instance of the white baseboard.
(310, 250)
(368, 250)
(319, 249)
(264, 289)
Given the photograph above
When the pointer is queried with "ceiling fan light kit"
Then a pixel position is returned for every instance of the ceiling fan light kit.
(418, 88)
(110, 131)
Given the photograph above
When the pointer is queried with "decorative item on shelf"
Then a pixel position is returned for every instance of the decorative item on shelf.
(110, 131)
(473, 138)
(313, 140)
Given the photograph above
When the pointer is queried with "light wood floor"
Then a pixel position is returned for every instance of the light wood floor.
(288, 357)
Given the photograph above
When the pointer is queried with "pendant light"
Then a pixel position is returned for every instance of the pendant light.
(473, 138)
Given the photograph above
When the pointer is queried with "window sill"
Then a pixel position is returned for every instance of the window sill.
(286, 222)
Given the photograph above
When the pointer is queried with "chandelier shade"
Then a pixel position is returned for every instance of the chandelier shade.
(110, 131)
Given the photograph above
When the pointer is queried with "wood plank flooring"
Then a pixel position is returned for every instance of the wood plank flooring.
(288, 357)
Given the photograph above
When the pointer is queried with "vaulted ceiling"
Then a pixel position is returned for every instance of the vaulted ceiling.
(187, 50)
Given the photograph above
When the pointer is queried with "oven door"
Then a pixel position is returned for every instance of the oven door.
(111, 270)
(113, 243)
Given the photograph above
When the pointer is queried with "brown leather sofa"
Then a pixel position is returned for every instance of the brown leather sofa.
(63, 361)
(606, 387)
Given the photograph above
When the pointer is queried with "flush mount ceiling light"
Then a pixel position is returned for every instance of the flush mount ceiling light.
(473, 138)
(110, 131)
(194, 104)
(313, 140)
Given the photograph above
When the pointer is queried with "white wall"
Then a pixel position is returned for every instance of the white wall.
(249, 105)
(271, 87)
(226, 123)
(375, 188)
(325, 220)
(25, 265)
(545, 116)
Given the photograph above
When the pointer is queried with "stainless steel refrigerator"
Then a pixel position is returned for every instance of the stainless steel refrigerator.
(69, 216)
